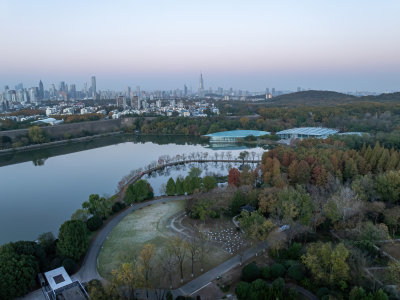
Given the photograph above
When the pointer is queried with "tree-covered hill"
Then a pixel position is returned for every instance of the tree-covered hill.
(312, 98)
(329, 98)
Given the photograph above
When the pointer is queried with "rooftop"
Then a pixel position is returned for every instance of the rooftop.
(238, 133)
(353, 133)
(315, 131)
(57, 278)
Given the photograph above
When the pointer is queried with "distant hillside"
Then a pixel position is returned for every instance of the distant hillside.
(391, 97)
(320, 98)
(312, 98)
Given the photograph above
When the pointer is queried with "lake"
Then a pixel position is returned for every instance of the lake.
(40, 189)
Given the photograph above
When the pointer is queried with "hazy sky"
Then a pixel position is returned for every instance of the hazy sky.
(343, 45)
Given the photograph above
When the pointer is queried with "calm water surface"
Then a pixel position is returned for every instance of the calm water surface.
(40, 190)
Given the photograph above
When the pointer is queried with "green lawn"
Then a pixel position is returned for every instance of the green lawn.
(143, 226)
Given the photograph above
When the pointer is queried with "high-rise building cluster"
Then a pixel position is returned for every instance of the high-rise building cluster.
(20, 97)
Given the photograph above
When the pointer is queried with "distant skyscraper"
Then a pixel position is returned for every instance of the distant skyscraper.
(33, 91)
(299, 89)
(72, 91)
(201, 86)
(85, 90)
(128, 92)
(185, 90)
(139, 98)
(94, 93)
(41, 90)
(273, 91)
(61, 87)
(53, 91)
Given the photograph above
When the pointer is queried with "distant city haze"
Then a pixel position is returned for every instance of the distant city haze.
(332, 45)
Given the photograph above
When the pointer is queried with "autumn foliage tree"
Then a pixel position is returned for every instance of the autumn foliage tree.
(234, 177)
(327, 263)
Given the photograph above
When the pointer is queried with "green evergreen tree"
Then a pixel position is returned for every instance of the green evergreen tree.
(179, 186)
(171, 188)
(187, 185)
(138, 192)
(72, 239)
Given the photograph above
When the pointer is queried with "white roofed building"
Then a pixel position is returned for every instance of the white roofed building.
(306, 132)
(59, 285)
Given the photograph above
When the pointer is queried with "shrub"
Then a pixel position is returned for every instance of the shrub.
(55, 263)
(288, 263)
(242, 290)
(209, 182)
(296, 272)
(277, 288)
(293, 294)
(94, 223)
(214, 214)
(250, 272)
(277, 270)
(294, 251)
(69, 265)
(169, 296)
(322, 292)
(118, 206)
(266, 272)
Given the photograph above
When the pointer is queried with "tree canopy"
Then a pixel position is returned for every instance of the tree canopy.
(138, 192)
(72, 239)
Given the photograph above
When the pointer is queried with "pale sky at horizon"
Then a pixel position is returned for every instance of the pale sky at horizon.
(342, 45)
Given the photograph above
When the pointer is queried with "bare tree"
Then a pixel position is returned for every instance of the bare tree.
(253, 154)
(259, 155)
(216, 155)
(222, 155)
(203, 250)
(347, 203)
(193, 246)
(229, 155)
(167, 261)
(147, 258)
(205, 155)
(276, 240)
(179, 249)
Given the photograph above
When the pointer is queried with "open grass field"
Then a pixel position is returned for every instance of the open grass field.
(146, 225)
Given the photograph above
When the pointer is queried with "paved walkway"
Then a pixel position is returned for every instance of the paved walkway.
(199, 282)
(88, 271)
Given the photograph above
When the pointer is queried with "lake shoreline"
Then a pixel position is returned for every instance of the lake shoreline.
(57, 143)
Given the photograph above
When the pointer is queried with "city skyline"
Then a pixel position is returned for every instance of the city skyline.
(337, 46)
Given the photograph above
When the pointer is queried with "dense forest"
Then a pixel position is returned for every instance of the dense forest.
(322, 208)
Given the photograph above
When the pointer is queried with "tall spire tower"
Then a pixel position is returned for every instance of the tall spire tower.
(201, 86)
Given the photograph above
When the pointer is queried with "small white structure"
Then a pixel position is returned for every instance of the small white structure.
(57, 278)
(59, 285)
(50, 111)
(50, 121)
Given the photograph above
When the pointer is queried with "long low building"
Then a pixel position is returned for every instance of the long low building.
(234, 135)
(306, 132)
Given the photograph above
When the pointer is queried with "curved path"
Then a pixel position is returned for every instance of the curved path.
(88, 270)
(180, 162)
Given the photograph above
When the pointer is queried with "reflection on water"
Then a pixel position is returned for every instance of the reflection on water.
(43, 154)
(38, 197)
